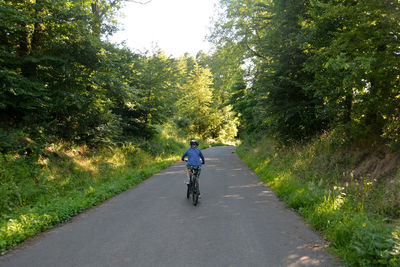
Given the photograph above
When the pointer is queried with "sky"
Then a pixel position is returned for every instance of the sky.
(174, 26)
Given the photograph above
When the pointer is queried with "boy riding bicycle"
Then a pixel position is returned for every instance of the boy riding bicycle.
(194, 155)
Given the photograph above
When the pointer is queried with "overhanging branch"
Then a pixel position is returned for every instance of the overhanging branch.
(254, 52)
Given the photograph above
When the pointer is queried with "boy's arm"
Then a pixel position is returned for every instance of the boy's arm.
(202, 158)
(184, 155)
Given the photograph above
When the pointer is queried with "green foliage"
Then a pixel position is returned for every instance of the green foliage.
(312, 180)
(61, 80)
(49, 54)
(314, 66)
(200, 112)
(278, 102)
(354, 63)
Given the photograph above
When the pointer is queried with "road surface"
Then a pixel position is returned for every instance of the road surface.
(238, 222)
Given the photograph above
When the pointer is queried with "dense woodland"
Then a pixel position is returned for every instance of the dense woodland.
(292, 69)
(314, 66)
(62, 80)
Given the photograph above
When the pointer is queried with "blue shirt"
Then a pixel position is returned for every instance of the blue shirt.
(194, 154)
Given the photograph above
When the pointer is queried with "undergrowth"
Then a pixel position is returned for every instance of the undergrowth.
(37, 192)
(356, 214)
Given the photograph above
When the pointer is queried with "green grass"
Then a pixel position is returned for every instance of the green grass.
(311, 180)
(39, 192)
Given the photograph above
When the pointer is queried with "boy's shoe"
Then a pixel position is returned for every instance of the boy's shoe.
(187, 181)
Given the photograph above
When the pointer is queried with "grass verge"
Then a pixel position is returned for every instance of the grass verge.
(39, 192)
(311, 180)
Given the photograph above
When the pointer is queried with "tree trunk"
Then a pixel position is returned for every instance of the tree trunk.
(97, 18)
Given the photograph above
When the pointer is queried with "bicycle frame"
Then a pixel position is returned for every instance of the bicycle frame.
(194, 172)
(193, 186)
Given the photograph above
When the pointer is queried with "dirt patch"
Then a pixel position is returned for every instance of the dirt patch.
(378, 164)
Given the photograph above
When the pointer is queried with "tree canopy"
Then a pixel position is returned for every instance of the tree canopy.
(290, 69)
(316, 65)
(61, 79)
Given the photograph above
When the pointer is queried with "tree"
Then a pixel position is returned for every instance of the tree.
(198, 113)
(49, 55)
(270, 31)
(195, 105)
(353, 50)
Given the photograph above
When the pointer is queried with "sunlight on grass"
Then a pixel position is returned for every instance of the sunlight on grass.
(118, 159)
(65, 181)
(339, 201)
(396, 238)
(168, 158)
(50, 177)
(90, 190)
(299, 163)
(263, 165)
(86, 164)
(22, 227)
(325, 211)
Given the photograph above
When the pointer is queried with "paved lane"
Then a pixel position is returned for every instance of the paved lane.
(238, 222)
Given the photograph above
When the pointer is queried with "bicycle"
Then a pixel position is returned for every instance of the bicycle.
(193, 186)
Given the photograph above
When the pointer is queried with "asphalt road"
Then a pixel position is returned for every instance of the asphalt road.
(238, 222)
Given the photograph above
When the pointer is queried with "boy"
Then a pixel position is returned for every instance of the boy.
(194, 155)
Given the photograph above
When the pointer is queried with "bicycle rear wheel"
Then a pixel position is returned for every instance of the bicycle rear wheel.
(189, 187)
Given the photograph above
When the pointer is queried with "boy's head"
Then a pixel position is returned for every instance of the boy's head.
(194, 143)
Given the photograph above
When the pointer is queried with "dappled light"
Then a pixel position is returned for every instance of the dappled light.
(212, 159)
(171, 172)
(298, 260)
(266, 193)
(246, 186)
(86, 165)
(22, 225)
(234, 196)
